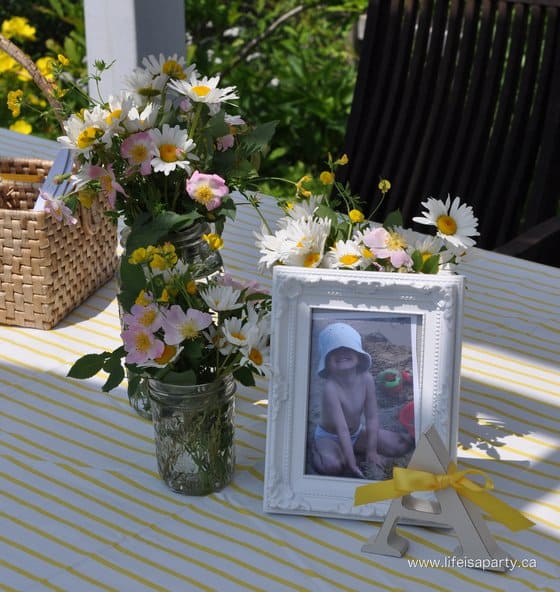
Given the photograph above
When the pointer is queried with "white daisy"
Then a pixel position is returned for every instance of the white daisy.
(302, 209)
(119, 107)
(139, 121)
(455, 222)
(257, 353)
(271, 246)
(217, 339)
(344, 255)
(171, 67)
(171, 149)
(144, 85)
(221, 298)
(238, 332)
(305, 241)
(86, 130)
(204, 90)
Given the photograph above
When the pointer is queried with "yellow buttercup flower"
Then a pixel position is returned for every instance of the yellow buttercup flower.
(356, 216)
(191, 287)
(301, 189)
(45, 66)
(138, 256)
(342, 160)
(158, 262)
(142, 299)
(326, 178)
(6, 62)
(21, 126)
(19, 27)
(14, 102)
(214, 241)
(384, 185)
(63, 59)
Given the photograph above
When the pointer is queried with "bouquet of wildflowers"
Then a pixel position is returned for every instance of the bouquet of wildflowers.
(324, 227)
(172, 140)
(183, 330)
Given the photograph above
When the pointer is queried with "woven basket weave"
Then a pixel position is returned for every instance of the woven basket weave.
(47, 268)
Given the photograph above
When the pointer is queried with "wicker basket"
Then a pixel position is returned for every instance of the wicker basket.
(47, 268)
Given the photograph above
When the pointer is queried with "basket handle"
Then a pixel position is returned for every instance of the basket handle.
(91, 217)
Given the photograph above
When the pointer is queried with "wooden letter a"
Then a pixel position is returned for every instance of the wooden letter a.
(477, 548)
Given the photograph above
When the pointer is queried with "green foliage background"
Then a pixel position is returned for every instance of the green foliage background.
(293, 62)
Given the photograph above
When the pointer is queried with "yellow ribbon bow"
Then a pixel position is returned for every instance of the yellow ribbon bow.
(407, 481)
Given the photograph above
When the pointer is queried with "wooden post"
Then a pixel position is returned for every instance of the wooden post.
(128, 30)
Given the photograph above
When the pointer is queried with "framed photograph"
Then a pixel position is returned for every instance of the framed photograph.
(362, 364)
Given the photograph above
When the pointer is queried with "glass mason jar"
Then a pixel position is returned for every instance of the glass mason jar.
(194, 432)
(191, 248)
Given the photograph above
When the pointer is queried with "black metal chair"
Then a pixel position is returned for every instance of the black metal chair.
(463, 97)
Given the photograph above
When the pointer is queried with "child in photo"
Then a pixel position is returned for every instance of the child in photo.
(349, 422)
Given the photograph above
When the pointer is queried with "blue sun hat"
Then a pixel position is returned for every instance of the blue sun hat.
(341, 335)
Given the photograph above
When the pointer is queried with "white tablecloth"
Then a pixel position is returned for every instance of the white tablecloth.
(82, 507)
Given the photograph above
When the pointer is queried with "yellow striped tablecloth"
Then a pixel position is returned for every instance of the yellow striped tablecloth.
(82, 507)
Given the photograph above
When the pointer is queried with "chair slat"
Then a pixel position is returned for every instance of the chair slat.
(460, 97)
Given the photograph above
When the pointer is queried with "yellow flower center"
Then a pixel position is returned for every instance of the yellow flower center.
(173, 69)
(142, 342)
(191, 287)
(446, 224)
(106, 184)
(167, 355)
(147, 318)
(255, 356)
(189, 330)
(201, 90)
(311, 259)
(367, 253)
(88, 136)
(396, 242)
(168, 152)
(203, 194)
(139, 153)
(113, 116)
(239, 336)
(348, 259)
(426, 256)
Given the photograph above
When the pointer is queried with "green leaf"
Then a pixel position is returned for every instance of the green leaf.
(431, 265)
(244, 376)
(217, 125)
(88, 365)
(187, 378)
(393, 219)
(417, 260)
(115, 378)
(259, 137)
(144, 233)
(132, 280)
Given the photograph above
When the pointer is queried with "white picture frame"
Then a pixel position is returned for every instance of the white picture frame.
(424, 313)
